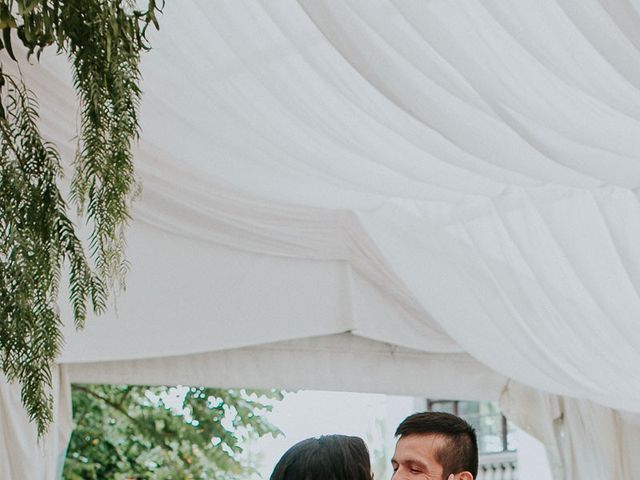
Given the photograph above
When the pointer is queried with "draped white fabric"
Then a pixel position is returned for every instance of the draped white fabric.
(455, 177)
(583, 440)
(22, 454)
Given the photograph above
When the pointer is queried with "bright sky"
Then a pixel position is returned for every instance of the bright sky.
(311, 413)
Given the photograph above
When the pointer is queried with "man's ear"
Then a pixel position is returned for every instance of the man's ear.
(465, 476)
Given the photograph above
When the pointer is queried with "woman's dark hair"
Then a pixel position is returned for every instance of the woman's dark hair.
(330, 457)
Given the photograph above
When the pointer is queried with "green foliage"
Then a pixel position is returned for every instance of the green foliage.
(103, 40)
(35, 237)
(134, 432)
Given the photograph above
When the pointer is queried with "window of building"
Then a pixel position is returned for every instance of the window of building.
(495, 433)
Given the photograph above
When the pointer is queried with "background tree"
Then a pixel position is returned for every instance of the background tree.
(135, 432)
(103, 40)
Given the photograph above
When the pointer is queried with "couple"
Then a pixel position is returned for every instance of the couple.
(431, 446)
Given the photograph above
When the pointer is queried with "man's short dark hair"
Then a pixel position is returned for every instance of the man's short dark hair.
(459, 452)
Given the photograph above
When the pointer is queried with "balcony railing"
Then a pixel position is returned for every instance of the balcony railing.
(498, 466)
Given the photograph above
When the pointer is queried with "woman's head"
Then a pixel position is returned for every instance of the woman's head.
(330, 457)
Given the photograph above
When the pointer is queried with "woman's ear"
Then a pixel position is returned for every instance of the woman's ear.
(464, 476)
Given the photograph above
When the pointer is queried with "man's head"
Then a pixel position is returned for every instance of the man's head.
(435, 446)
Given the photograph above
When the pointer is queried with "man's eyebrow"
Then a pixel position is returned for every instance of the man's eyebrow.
(418, 463)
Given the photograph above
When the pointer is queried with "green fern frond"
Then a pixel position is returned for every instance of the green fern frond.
(103, 40)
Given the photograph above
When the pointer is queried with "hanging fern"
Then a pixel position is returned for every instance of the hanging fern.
(103, 40)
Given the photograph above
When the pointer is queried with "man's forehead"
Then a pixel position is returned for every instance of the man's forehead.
(421, 450)
(429, 438)
(422, 443)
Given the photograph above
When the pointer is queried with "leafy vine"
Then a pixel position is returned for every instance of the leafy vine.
(103, 40)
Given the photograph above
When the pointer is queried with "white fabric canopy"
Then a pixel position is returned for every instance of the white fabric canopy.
(452, 180)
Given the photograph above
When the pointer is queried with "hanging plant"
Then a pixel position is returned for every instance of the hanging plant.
(103, 40)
